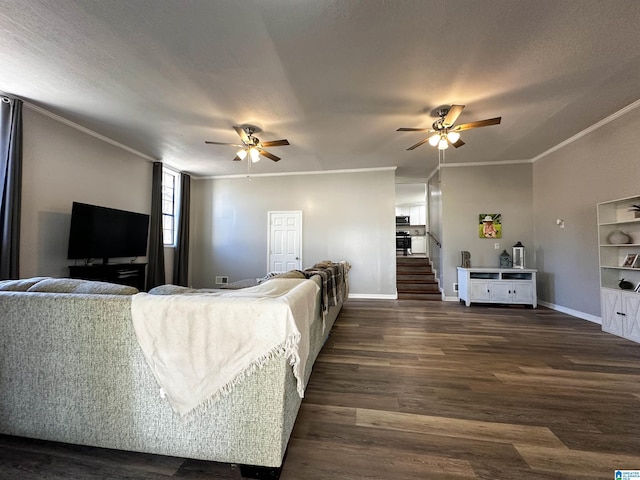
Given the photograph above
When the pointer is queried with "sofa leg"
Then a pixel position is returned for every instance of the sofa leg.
(255, 471)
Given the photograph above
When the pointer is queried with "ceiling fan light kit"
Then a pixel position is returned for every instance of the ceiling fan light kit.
(444, 131)
(453, 137)
(252, 146)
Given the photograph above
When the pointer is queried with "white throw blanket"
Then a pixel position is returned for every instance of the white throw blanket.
(199, 345)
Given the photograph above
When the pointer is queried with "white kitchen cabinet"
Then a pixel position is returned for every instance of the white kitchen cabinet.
(418, 214)
(497, 285)
(620, 309)
(418, 244)
(403, 211)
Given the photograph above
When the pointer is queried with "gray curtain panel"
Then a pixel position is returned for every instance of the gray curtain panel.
(10, 186)
(155, 270)
(181, 258)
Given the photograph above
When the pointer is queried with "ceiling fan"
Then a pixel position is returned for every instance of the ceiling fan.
(251, 145)
(444, 131)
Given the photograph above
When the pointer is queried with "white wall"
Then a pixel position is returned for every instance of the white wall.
(471, 190)
(434, 227)
(345, 216)
(568, 183)
(62, 165)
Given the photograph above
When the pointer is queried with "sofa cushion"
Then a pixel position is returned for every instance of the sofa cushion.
(170, 290)
(19, 285)
(74, 285)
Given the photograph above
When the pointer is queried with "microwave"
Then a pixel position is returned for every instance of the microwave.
(403, 220)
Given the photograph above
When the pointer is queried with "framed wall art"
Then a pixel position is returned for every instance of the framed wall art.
(490, 225)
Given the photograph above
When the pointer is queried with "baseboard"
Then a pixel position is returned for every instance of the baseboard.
(573, 313)
(552, 306)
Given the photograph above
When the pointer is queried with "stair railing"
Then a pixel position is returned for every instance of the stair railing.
(435, 240)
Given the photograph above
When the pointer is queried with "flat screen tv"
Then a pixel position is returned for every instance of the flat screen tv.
(101, 232)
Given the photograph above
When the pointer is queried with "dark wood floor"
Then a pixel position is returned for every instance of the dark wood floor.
(428, 390)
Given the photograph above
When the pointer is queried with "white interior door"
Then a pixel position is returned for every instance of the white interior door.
(285, 241)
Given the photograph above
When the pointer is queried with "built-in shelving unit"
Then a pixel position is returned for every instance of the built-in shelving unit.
(620, 308)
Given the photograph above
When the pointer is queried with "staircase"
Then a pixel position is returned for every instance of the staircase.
(415, 279)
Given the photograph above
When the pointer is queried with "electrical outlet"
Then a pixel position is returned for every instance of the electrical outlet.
(455, 287)
(496, 246)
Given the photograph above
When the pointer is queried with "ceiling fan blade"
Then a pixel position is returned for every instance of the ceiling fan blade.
(458, 143)
(222, 143)
(452, 115)
(275, 143)
(418, 144)
(478, 124)
(237, 159)
(268, 155)
(243, 135)
(403, 129)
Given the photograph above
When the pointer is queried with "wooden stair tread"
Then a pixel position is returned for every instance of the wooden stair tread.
(415, 279)
(430, 296)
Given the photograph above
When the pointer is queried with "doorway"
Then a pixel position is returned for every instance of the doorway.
(285, 241)
(411, 203)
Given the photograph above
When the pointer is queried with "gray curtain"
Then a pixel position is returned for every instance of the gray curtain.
(10, 186)
(181, 258)
(155, 269)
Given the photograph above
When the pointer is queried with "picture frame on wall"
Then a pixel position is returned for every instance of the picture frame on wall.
(490, 225)
(637, 289)
(630, 260)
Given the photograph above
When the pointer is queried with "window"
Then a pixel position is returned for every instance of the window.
(169, 205)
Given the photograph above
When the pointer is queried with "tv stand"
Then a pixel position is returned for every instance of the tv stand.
(132, 274)
(497, 285)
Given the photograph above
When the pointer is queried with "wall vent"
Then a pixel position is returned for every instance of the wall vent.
(222, 280)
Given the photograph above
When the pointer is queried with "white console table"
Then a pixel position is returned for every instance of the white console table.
(497, 285)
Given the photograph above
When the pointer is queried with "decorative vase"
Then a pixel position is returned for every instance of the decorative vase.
(618, 238)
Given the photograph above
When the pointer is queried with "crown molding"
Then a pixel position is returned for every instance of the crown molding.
(588, 130)
(482, 164)
(87, 131)
(288, 174)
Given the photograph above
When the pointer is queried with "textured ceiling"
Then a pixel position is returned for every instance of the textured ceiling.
(334, 77)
